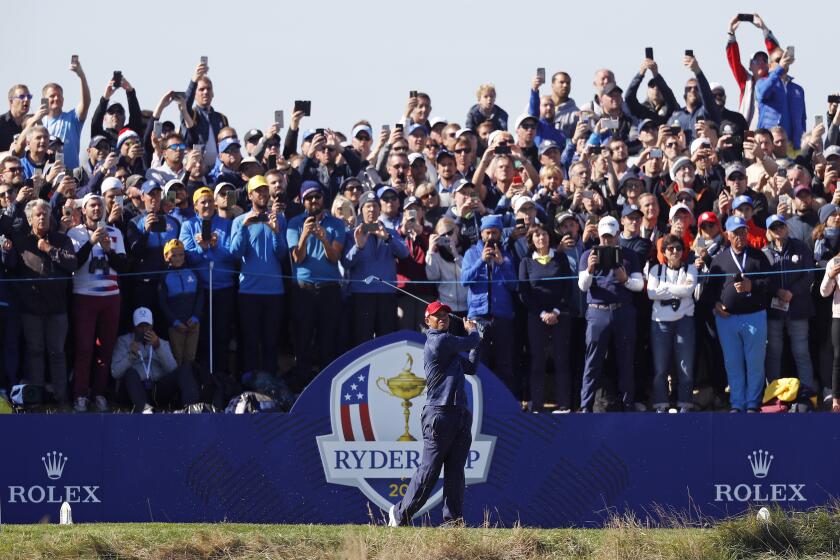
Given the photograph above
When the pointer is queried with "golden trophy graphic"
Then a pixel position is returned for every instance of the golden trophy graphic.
(406, 386)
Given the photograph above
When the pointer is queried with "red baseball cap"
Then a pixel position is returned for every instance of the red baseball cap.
(707, 217)
(436, 306)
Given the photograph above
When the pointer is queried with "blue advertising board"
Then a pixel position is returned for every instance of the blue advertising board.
(346, 450)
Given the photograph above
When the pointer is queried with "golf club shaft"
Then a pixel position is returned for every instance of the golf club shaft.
(421, 300)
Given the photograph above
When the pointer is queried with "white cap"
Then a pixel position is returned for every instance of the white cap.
(143, 315)
(698, 143)
(676, 208)
(523, 117)
(414, 156)
(361, 128)
(463, 131)
(171, 183)
(493, 135)
(88, 197)
(521, 200)
(111, 183)
(608, 226)
(833, 150)
(220, 186)
(434, 121)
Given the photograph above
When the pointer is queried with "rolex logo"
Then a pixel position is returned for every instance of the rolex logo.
(54, 463)
(760, 462)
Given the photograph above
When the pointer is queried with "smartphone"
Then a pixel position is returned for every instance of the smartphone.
(609, 124)
(262, 217)
(158, 132)
(783, 198)
(59, 157)
(231, 198)
(834, 98)
(412, 93)
(593, 219)
(119, 200)
(649, 53)
(700, 242)
(272, 162)
(370, 228)
(593, 149)
(117, 78)
(160, 225)
(745, 17)
(278, 118)
(206, 231)
(66, 211)
(305, 106)
(139, 337)
(656, 153)
(738, 277)
(398, 126)
(501, 150)
(541, 74)
(44, 103)
(199, 147)
(818, 120)
(204, 60)
(74, 59)
(689, 52)
(182, 95)
(675, 130)
(411, 215)
(790, 52)
(386, 127)
(170, 196)
(520, 223)
(749, 135)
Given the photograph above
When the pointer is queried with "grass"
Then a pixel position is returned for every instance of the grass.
(813, 534)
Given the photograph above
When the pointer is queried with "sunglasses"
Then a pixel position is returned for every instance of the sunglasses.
(177, 147)
(674, 249)
(14, 170)
(528, 126)
(736, 177)
(363, 138)
(670, 144)
(428, 195)
(22, 97)
(463, 151)
(312, 197)
(691, 88)
(353, 188)
(388, 198)
(400, 149)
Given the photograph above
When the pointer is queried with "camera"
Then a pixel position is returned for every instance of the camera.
(501, 150)
(609, 257)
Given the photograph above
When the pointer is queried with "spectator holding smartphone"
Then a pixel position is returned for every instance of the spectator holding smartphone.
(67, 125)
(443, 264)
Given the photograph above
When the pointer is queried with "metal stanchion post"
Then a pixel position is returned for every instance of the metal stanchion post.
(210, 326)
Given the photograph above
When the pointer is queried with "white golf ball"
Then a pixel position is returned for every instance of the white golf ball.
(763, 514)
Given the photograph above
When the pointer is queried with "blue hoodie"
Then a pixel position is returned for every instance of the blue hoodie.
(781, 105)
(261, 252)
(486, 296)
(220, 254)
(545, 129)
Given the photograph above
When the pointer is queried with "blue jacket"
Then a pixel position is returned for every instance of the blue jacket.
(499, 118)
(260, 251)
(707, 110)
(491, 294)
(781, 106)
(220, 254)
(145, 248)
(445, 367)
(376, 258)
(181, 296)
(795, 263)
(545, 130)
(316, 268)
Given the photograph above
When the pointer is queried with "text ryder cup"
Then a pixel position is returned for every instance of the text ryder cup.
(53, 494)
(354, 459)
(759, 493)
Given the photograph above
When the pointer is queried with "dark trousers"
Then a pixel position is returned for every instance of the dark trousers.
(497, 348)
(45, 336)
(259, 319)
(316, 315)
(604, 327)
(373, 314)
(555, 339)
(577, 358)
(96, 323)
(163, 391)
(224, 302)
(835, 365)
(4, 381)
(446, 443)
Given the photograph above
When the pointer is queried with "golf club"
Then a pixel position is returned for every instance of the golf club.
(369, 280)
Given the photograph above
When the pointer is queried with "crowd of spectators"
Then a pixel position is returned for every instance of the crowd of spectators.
(622, 248)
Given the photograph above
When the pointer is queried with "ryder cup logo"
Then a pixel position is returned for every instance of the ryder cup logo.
(376, 440)
(54, 463)
(759, 462)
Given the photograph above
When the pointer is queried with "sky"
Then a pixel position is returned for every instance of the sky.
(360, 59)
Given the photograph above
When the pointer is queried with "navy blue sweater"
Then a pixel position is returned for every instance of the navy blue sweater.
(540, 295)
(445, 368)
(723, 287)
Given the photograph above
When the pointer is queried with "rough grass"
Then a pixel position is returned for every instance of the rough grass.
(812, 534)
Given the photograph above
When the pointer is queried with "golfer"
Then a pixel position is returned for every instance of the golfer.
(446, 418)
